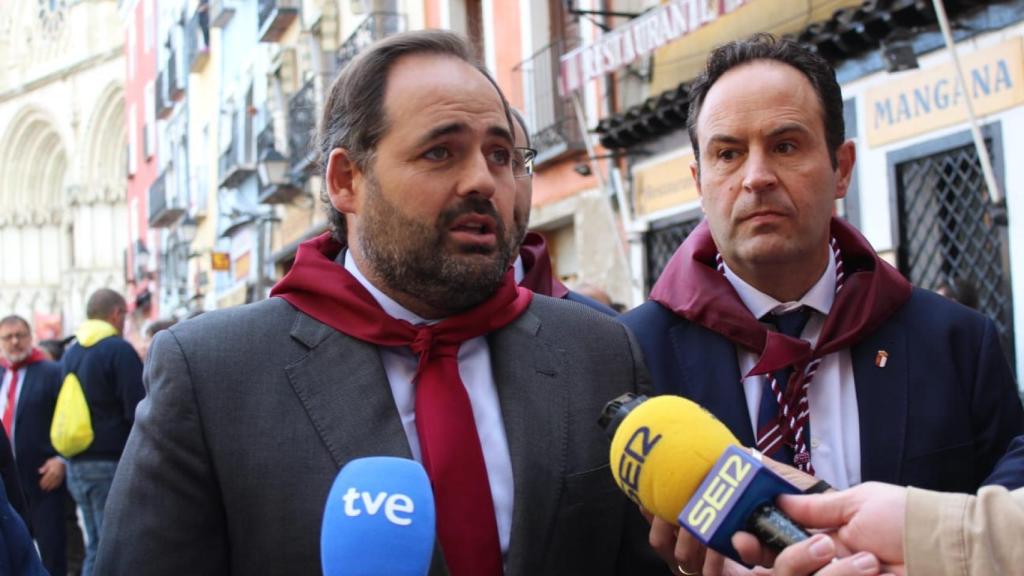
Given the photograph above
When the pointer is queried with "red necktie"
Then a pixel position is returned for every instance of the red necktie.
(12, 395)
(452, 456)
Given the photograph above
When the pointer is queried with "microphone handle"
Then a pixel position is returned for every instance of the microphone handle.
(773, 528)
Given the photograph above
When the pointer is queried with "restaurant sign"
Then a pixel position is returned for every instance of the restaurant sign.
(638, 38)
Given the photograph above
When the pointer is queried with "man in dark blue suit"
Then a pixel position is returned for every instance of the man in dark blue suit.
(782, 321)
(29, 385)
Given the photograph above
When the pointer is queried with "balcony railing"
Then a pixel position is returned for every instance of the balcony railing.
(163, 207)
(197, 37)
(164, 106)
(175, 80)
(221, 12)
(302, 129)
(378, 25)
(234, 169)
(554, 130)
(275, 18)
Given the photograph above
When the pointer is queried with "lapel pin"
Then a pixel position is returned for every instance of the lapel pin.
(881, 358)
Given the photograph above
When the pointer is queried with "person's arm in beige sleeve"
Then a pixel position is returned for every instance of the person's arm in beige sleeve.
(959, 535)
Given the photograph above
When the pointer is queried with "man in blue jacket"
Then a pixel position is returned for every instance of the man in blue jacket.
(110, 373)
(29, 385)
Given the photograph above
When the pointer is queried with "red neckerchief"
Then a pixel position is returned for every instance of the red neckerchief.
(323, 289)
(693, 288)
(36, 355)
(537, 275)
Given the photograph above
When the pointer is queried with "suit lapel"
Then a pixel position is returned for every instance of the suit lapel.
(710, 376)
(882, 402)
(342, 385)
(535, 409)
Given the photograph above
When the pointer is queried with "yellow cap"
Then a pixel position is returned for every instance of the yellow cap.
(663, 450)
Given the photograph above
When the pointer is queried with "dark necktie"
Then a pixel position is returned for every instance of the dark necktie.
(770, 440)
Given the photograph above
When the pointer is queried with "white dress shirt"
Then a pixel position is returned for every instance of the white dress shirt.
(832, 396)
(475, 370)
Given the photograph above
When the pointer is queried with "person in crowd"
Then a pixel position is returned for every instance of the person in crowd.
(780, 318)
(110, 373)
(400, 332)
(29, 385)
(533, 264)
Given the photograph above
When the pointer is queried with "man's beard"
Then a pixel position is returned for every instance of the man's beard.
(412, 257)
(14, 359)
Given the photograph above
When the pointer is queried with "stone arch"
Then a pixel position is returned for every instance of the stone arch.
(106, 162)
(33, 165)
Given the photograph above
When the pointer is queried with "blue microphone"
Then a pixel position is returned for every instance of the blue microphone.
(379, 519)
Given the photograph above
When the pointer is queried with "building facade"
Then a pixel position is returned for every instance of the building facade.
(63, 166)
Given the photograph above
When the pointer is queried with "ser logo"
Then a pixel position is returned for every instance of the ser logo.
(719, 492)
(635, 453)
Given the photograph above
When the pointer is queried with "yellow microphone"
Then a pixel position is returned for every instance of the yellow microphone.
(679, 462)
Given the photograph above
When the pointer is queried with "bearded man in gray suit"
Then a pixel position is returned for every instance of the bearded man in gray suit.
(251, 412)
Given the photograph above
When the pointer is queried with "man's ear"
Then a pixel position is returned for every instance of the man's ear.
(846, 157)
(341, 177)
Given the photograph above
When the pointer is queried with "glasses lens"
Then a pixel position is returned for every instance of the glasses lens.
(523, 162)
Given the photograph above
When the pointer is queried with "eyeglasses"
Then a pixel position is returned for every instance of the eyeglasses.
(522, 162)
(15, 336)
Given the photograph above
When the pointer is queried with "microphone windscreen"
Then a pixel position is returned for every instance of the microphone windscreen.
(379, 519)
(662, 451)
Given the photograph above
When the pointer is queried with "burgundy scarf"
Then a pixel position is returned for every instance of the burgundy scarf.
(693, 288)
(537, 275)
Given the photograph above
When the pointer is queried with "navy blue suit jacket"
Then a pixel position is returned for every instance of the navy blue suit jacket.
(1009, 471)
(36, 401)
(939, 415)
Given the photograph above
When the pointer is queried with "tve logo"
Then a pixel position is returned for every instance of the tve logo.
(397, 507)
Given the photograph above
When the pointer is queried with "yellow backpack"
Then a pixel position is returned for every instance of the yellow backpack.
(71, 429)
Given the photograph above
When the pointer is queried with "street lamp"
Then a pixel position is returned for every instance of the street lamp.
(276, 185)
(187, 230)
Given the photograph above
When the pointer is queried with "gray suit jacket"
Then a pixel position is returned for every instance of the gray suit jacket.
(251, 412)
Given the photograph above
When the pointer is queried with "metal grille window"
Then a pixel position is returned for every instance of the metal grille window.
(662, 242)
(948, 233)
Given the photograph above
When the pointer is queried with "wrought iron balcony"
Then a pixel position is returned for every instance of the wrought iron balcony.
(378, 25)
(164, 106)
(302, 130)
(275, 18)
(234, 167)
(197, 37)
(175, 79)
(554, 130)
(164, 210)
(221, 12)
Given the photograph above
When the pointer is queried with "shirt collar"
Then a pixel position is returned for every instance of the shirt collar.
(519, 270)
(818, 298)
(388, 304)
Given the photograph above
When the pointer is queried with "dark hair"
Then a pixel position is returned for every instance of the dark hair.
(766, 47)
(103, 303)
(354, 112)
(15, 318)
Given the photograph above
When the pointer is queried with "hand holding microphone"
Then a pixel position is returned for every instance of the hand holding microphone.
(379, 519)
(677, 461)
